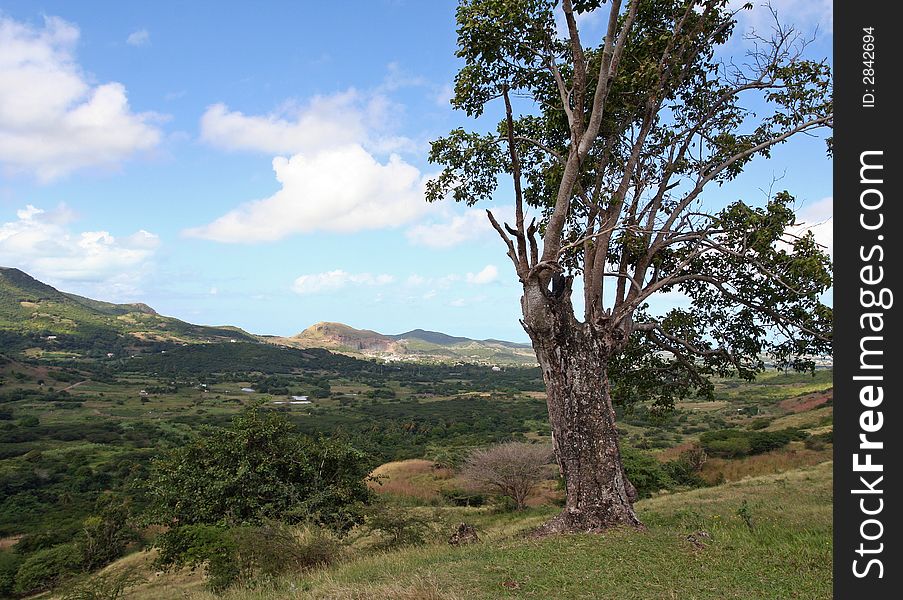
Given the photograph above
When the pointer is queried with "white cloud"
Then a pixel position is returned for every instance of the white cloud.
(52, 120)
(324, 122)
(818, 218)
(468, 226)
(318, 283)
(339, 190)
(41, 243)
(337, 167)
(489, 274)
(138, 38)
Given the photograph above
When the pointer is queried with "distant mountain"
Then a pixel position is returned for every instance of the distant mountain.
(30, 307)
(32, 310)
(416, 345)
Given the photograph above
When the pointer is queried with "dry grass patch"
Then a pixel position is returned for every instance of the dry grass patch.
(415, 478)
(776, 461)
(803, 420)
(806, 402)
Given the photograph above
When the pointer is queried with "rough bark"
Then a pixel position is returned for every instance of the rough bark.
(573, 357)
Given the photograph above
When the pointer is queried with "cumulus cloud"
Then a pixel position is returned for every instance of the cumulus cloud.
(489, 274)
(42, 243)
(325, 121)
(318, 283)
(138, 38)
(468, 226)
(338, 167)
(338, 190)
(52, 119)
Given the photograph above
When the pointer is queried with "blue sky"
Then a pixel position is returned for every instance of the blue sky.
(261, 164)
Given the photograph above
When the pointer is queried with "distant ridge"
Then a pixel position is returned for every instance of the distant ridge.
(415, 345)
(30, 307)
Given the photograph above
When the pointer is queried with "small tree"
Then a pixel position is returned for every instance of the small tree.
(512, 468)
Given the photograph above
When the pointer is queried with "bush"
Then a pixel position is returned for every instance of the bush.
(9, 564)
(47, 568)
(104, 586)
(513, 469)
(397, 527)
(243, 554)
(645, 472)
(734, 443)
(458, 497)
(260, 469)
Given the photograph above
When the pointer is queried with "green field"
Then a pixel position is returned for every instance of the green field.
(76, 429)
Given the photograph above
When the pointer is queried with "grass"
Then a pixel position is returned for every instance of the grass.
(784, 552)
(416, 479)
(776, 461)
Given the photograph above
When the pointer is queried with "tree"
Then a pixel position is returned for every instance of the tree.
(512, 468)
(259, 469)
(613, 149)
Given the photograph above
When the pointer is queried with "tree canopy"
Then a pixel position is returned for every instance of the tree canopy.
(611, 145)
(259, 469)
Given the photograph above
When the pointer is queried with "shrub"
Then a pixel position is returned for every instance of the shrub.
(733, 443)
(512, 468)
(104, 586)
(259, 469)
(47, 568)
(242, 554)
(397, 527)
(459, 497)
(645, 472)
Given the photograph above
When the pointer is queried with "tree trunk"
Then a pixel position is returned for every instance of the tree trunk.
(573, 357)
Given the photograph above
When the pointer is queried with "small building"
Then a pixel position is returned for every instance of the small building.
(248, 390)
(496, 369)
(110, 355)
(299, 398)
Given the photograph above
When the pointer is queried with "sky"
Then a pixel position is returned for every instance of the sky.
(262, 164)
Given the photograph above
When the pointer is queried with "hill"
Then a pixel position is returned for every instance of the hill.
(762, 537)
(418, 345)
(32, 310)
(38, 316)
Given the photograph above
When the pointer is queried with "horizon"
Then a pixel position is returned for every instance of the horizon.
(255, 167)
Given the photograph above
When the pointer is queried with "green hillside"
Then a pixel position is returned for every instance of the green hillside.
(32, 309)
(763, 537)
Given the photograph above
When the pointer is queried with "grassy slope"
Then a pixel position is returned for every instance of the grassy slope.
(786, 554)
(30, 306)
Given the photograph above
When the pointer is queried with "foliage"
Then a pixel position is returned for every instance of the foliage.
(260, 468)
(397, 526)
(45, 569)
(104, 586)
(104, 536)
(243, 554)
(734, 443)
(612, 143)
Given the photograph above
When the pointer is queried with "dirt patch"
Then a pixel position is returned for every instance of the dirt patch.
(9, 542)
(807, 402)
